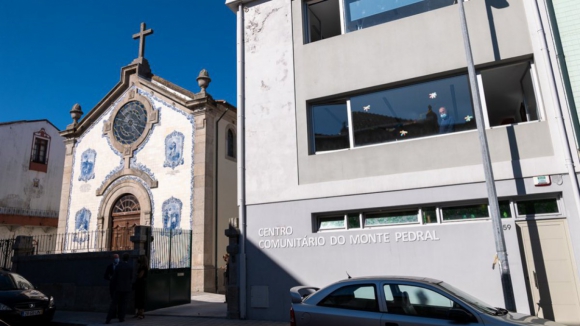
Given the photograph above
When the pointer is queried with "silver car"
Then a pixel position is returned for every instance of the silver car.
(396, 301)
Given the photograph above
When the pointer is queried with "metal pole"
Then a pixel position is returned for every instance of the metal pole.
(506, 280)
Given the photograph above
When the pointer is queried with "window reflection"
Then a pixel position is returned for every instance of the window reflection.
(430, 108)
(366, 13)
(330, 126)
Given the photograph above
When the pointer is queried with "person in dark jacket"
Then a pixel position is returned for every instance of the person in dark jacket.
(110, 272)
(141, 286)
(123, 283)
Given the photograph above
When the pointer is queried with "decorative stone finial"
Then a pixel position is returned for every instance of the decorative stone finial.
(76, 113)
(203, 80)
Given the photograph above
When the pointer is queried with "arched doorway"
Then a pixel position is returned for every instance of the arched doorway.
(126, 214)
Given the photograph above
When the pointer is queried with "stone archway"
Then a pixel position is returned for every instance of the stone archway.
(125, 216)
(134, 195)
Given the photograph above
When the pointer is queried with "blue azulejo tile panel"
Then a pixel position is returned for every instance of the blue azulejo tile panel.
(82, 219)
(174, 149)
(88, 159)
(171, 209)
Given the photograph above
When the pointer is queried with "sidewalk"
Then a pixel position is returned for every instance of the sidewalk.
(205, 309)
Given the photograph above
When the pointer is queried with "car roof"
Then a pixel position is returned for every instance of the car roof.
(393, 278)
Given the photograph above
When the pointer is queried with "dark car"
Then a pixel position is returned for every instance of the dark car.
(21, 302)
(401, 301)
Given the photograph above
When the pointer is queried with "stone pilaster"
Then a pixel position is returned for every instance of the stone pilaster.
(66, 179)
(202, 264)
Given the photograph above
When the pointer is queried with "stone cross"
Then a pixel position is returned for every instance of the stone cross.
(141, 36)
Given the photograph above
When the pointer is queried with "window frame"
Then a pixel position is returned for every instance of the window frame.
(512, 202)
(347, 100)
(37, 137)
(230, 129)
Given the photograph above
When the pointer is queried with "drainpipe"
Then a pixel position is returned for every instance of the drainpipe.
(215, 194)
(569, 162)
(241, 158)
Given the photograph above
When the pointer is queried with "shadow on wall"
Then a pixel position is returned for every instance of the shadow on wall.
(74, 280)
(258, 295)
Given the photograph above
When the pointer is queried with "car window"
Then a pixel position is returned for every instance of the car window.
(356, 297)
(417, 301)
(22, 283)
(6, 283)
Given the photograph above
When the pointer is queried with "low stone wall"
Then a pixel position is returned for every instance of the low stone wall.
(74, 280)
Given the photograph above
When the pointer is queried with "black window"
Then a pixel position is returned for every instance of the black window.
(39, 150)
(355, 297)
(231, 144)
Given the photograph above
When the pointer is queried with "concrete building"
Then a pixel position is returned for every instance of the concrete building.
(31, 162)
(361, 155)
(153, 153)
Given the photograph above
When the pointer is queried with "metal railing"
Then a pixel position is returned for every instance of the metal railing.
(84, 241)
(170, 249)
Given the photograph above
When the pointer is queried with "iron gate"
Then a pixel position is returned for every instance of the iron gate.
(169, 280)
(6, 253)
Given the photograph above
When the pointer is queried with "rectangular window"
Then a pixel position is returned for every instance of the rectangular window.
(467, 212)
(39, 151)
(361, 14)
(328, 18)
(353, 221)
(331, 223)
(509, 94)
(426, 109)
(504, 209)
(323, 19)
(388, 218)
(330, 126)
(429, 215)
(537, 207)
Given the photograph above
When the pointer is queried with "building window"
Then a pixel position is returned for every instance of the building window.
(330, 126)
(537, 207)
(323, 17)
(424, 109)
(509, 94)
(39, 151)
(434, 214)
(231, 144)
(389, 218)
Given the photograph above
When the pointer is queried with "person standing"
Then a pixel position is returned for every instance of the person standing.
(122, 280)
(447, 122)
(110, 272)
(141, 286)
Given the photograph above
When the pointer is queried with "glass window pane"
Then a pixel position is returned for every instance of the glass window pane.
(322, 20)
(419, 110)
(533, 207)
(429, 215)
(509, 94)
(504, 209)
(353, 221)
(416, 301)
(355, 297)
(386, 218)
(330, 127)
(328, 223)
(361, 14)
(465, 212)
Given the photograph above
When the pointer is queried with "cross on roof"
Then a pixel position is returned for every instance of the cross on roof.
(141, 36)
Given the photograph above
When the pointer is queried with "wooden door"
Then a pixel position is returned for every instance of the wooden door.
(125, 216)
(551, 273)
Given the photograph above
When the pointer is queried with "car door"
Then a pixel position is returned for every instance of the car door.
(347, 306)
(412, 304)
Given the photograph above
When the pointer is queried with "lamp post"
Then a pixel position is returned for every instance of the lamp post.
(506, 280)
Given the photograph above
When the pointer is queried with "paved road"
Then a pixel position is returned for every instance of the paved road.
(206, 309)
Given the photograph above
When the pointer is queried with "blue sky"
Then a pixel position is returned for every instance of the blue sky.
(54, 54)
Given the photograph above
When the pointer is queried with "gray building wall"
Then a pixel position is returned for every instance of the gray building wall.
(286, 184)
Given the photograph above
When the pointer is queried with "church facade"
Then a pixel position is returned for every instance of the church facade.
(149, 153)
